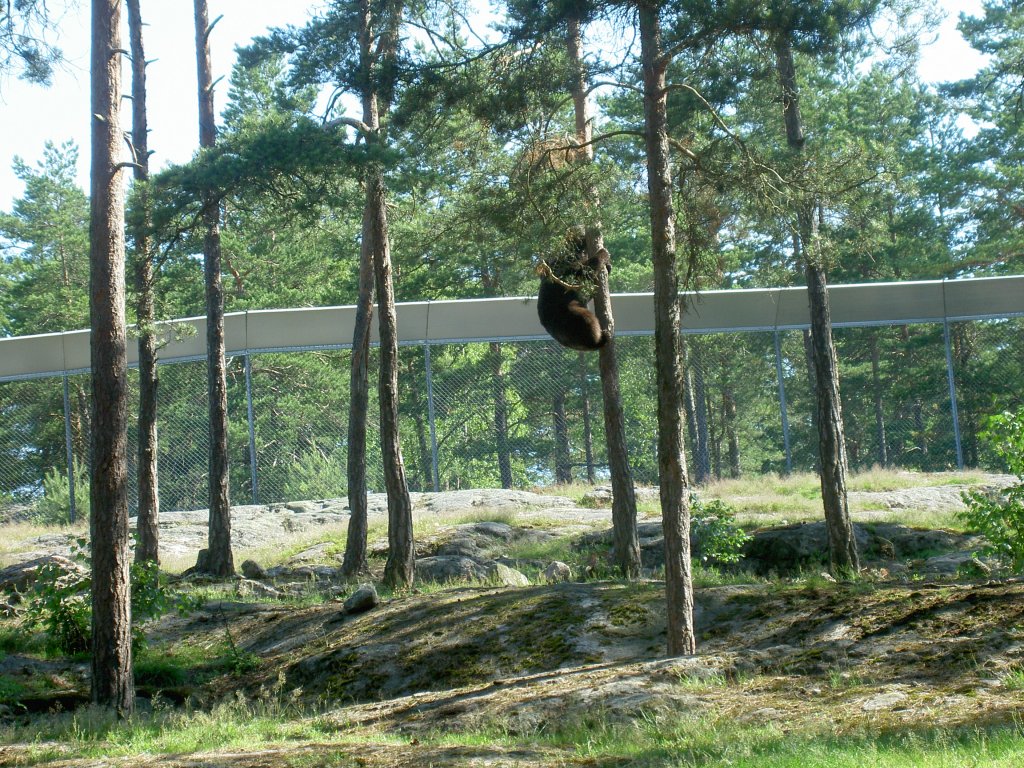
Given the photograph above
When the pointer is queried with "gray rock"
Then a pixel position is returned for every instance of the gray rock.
(362, 600)
(557, 572)
(493, 530)
(303, 507)
(601, 496)
(21, 576)
(956, 564)
(251, 588)
(462, 546)
(313, 554)
(253, 570)
(444, 568)
(496, 499)
(884, 701)
(506, 576)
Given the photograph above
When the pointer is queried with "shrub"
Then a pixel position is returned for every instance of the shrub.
(316, 474)
(60, 603)
(999, 516)
(713, 525)
(54, 508)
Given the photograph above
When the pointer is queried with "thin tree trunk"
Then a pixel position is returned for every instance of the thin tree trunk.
(876, 388)
(729, 422)
(217, 559)
(627, 543)
(563, 468)
(378, 45)
(588, 434)
(146, 469)
(831, 442)
(399, 571)
(355, 561)
(700, 402)
(419, 415)
(675, 502)
(112, 684)
(500, 414)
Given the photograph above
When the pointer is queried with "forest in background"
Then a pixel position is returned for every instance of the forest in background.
(481, 187)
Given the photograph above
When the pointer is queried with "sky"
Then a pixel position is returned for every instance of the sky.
(31, 114)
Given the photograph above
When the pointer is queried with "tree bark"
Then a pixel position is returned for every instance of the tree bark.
(700, 403)
(355, 561)
(112, 684)
(675, 502)
(729, 422)
(399, 570)
(843, 555)
(147, 548)
(217, 559)
(500, 414)
(876, 388)
(588, 432)
(626, 540)
(563, 468)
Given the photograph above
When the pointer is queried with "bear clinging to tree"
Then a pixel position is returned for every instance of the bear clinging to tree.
(561, 305)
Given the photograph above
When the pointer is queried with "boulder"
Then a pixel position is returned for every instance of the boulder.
(253, 570)
(20, 576)
(460, 546)
(601, 496)
(362, 600)
(313, 554)
(506, 576)
(444, 568)
(557, 572)
(962, 563)
(252, 588)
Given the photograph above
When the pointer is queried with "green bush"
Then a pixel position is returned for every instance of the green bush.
(54, 508)
(713, 524)
(60, 603)
(316, 475)
(999, 516)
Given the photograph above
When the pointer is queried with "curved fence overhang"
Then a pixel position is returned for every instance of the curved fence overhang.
(513, 319)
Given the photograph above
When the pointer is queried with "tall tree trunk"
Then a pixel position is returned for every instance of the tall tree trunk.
(217, 559)
(112, 683)
(563, 466)
(588, 433)
(688, 402)
(355, 561)
(627, 543)
(399, 570)
(843, 556)
(378, 46)
(876, 390)
(146, 470)
(700, 403)
(500, 414)
(418, 408)
(675, 502)
(729, 422)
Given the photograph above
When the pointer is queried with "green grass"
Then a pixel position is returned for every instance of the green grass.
(709, 743)
(597, 739)
(1013, 679)
(772, 499)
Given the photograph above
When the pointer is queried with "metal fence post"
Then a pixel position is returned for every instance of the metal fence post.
(252, 431)
(70, 451)
(430, 418)
(782, 403)
(954, 410)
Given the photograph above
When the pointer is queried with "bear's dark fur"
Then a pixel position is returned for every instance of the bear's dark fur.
(563, 311)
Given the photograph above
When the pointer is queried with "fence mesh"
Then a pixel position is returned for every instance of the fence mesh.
(523, 414)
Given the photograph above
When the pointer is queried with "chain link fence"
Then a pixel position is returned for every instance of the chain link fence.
(525, 414)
